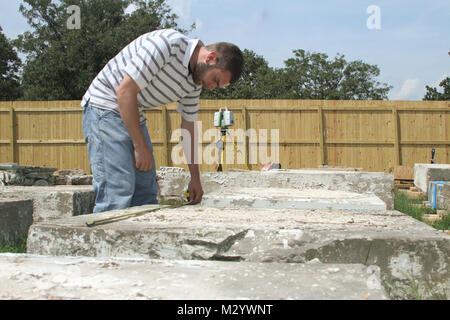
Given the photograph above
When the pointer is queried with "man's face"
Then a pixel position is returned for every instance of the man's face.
(210, 76)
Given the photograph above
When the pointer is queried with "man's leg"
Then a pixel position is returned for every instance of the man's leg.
(111, 156)
(146, 188)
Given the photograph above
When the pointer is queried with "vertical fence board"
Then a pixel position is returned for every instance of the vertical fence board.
(396, 137)
(12, 135)
(321, 136)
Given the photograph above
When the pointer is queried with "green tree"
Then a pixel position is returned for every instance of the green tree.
(434, 94)
(61, 62)
(314, 76)
(10, 63)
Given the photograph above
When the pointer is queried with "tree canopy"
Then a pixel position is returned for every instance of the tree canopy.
(10, 63)
(434, 94)
(62, 62)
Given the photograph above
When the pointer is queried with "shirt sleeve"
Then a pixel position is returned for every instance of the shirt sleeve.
(147, 60)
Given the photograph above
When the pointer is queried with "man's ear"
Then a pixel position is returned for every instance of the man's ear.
(211, 58)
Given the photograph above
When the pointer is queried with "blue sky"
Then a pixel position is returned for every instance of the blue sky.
(410, 48)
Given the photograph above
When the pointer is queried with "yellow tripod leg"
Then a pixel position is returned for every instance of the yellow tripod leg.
(223, 150)
(236, 148)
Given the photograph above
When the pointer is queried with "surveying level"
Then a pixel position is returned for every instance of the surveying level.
(223, 120)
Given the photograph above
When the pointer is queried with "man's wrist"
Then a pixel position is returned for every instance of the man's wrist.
(139, 142)
(195, 172)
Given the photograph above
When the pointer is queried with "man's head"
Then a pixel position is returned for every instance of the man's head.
(218, 65)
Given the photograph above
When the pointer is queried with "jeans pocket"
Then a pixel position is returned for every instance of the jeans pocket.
(96, 157)
(105, 114)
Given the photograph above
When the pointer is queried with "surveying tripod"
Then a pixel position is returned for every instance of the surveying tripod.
(224, 119)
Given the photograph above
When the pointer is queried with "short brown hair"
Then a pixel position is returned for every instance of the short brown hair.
(229, 58)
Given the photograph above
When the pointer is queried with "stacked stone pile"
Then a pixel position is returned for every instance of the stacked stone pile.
(13, 174)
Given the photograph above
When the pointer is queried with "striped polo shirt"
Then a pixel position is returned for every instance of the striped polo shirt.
(158, 62)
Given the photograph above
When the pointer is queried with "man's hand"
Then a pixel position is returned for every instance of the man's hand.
(144, 158)
(195, 191)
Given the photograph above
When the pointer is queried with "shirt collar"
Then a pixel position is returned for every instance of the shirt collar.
(192, 44)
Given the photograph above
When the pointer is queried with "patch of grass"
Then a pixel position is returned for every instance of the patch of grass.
(18, 246)
(406, 205)
(443, 224)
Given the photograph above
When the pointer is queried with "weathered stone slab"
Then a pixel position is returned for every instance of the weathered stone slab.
(54, 202)
(400, 245)
(16, 216)
(382, 185)
(425, 172)
(28, 277)
(289, 198)
(445, 194)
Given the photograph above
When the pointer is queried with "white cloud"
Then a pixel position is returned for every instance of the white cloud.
(130, 9)
(410, 90)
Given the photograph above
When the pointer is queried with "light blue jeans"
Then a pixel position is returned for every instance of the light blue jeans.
(118, 184)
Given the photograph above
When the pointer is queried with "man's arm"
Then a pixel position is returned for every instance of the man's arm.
(128, 106)
(195, 186)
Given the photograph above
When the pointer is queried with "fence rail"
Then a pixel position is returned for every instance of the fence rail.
(372, 135)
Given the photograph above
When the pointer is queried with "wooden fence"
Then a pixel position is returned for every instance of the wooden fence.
(372, 135)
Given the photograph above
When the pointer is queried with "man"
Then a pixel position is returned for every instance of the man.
(157, 68)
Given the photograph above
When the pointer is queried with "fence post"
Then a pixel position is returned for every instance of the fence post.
(12, 144)
(166, 138)
(321, 136)
(396, 136)
(246, 138)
